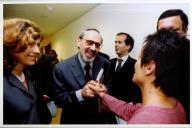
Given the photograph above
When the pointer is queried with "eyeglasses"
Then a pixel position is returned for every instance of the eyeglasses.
(91, 43)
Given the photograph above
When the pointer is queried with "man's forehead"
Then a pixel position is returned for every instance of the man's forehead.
(92, 33)
(121, 37)
(172, 21)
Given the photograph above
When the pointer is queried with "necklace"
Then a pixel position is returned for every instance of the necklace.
(21, 78)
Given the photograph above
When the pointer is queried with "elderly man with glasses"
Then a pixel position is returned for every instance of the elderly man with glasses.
(71, 80)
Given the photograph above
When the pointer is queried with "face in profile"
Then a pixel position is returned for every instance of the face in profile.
(89, 45)
(29, 56)
(120, 46)
(173, 23)
(21, 40)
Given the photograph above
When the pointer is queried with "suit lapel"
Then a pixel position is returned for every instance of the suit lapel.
(15, 82)
(126, 64)
(97, 65)
(113, 64)
(31, 86)
(77, 71)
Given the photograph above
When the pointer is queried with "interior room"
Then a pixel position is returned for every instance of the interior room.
(62, 22)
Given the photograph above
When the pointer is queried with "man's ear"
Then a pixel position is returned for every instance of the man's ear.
(128, 47)
(78, 43)
(150, 68)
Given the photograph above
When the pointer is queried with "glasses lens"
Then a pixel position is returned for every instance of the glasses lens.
(90, 43)
(97, 45)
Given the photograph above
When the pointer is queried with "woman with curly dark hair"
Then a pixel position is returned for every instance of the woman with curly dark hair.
(21, 39)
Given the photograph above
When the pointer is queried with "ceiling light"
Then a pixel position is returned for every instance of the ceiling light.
(49, 8)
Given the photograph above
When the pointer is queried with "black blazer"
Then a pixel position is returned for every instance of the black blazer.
(19, 106)
(68, 77)
(122, 86)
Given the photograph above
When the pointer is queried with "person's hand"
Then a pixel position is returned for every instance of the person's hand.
(99, 89)
(86, 92)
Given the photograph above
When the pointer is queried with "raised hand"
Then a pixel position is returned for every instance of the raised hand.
(86, 92)
(97, 88)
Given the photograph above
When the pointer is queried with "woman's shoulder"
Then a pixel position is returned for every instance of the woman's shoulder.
(159, 115)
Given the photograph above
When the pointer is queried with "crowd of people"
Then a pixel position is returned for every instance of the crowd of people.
(91, 88)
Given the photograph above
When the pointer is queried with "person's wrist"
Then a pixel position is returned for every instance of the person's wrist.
(101, 94)
(82, 94)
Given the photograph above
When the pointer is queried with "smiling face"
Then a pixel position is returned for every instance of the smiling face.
(21, 40)
(29, 56)
(89, 45)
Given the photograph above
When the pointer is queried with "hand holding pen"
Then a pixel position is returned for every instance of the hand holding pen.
(96, 86)
(98, 89)
(86, 92)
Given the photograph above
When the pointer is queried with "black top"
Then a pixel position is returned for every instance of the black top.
(122, 86)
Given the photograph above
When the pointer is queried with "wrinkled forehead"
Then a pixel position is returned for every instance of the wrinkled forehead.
(93, 35)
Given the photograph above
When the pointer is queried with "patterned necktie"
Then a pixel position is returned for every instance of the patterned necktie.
(87, 72)
(119, 64)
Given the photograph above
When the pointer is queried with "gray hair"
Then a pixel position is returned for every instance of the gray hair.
(89, 29)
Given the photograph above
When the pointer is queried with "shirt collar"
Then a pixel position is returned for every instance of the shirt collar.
(124, 58)
(83, 63)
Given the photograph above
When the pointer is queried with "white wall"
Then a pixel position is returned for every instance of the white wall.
(138, 20)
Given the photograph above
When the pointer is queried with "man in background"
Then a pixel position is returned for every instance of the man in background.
(176, 20)
(122, 70)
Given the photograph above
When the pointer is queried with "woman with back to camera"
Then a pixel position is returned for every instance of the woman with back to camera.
(157, 73)
(21, 39)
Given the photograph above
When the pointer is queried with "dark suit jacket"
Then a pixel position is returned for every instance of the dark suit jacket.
(68, 78)
(103, 55)
(42, 75)
(122, 86)
(19, 106)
